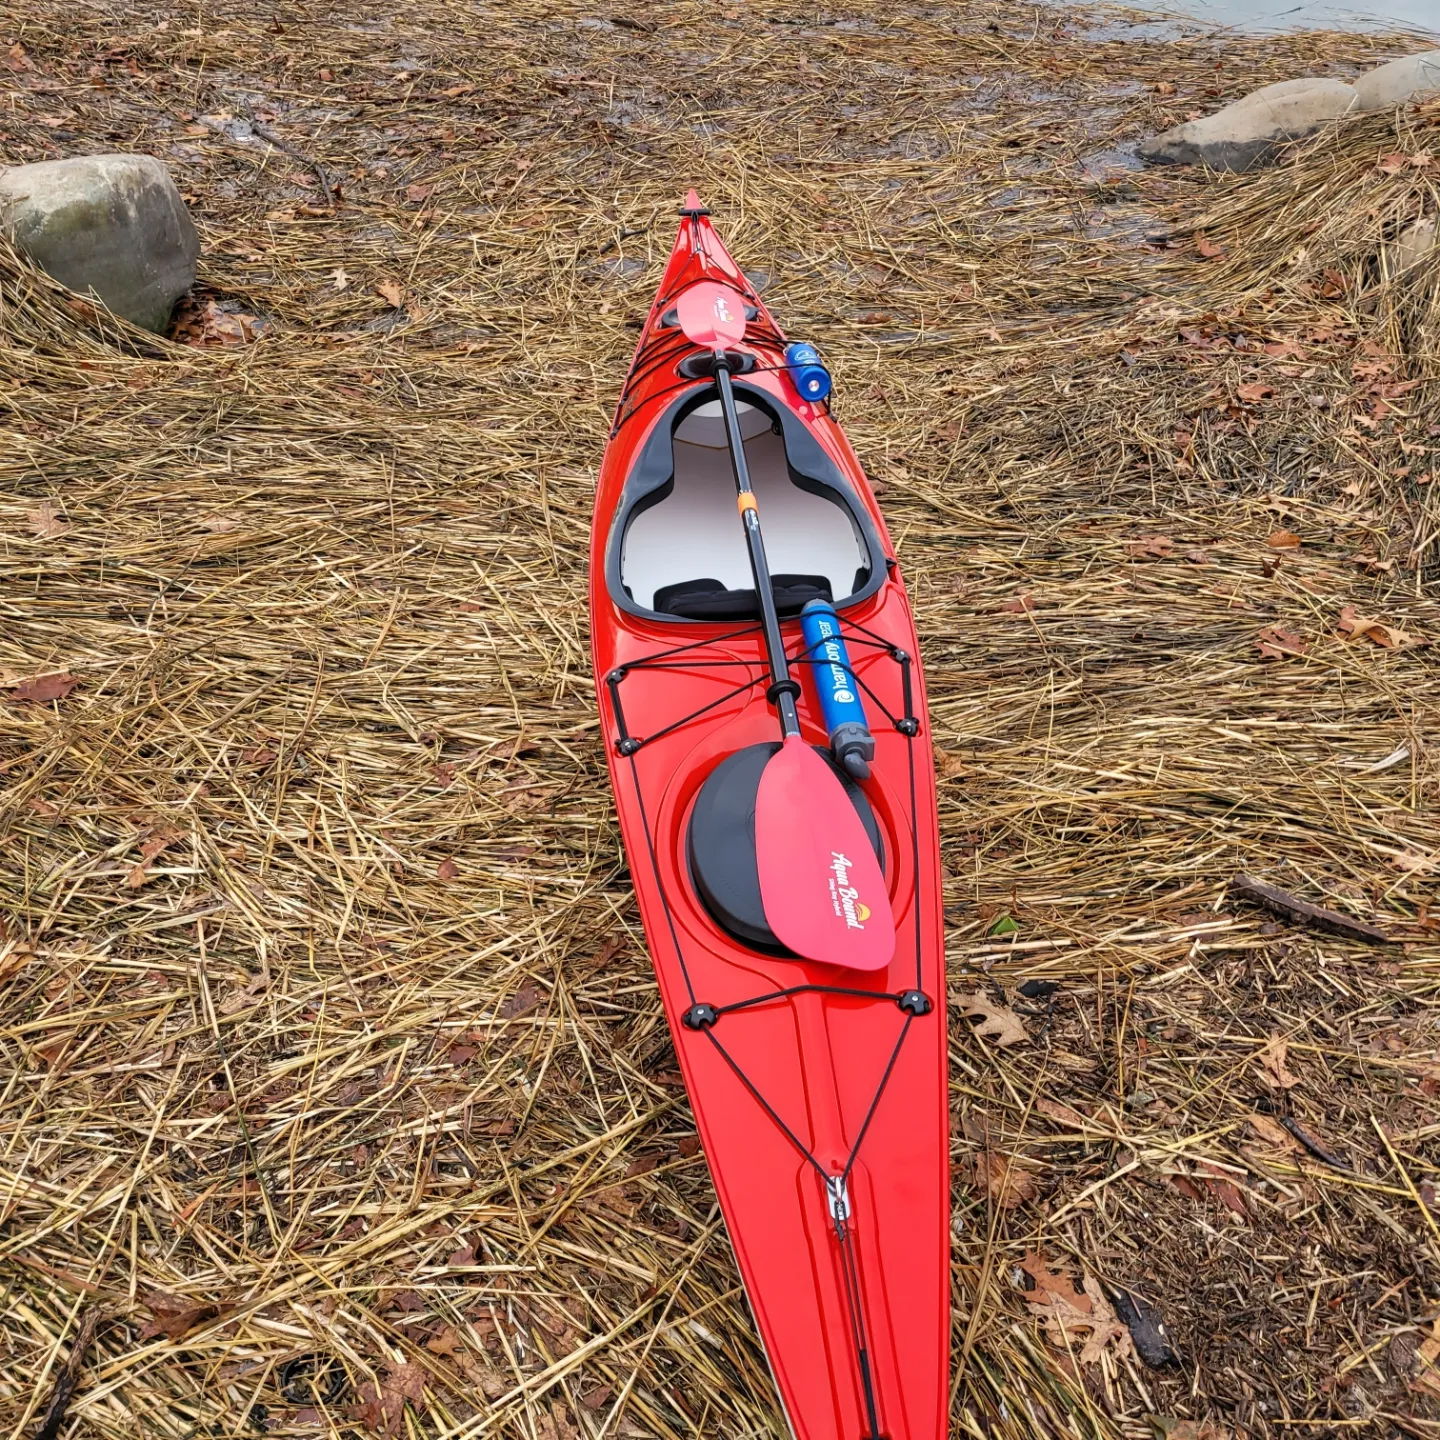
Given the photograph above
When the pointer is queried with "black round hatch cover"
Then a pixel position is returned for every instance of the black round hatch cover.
(720, 842)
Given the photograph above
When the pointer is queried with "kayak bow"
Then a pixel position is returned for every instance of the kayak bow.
(818, 1083)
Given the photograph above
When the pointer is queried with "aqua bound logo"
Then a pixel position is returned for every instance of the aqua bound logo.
(844, 896)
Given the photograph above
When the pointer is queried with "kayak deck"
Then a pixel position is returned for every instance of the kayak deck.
(819, 1092)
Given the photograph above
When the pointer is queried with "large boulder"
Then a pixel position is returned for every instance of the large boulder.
(1248, 132)
(111, 224)
(1403, 80)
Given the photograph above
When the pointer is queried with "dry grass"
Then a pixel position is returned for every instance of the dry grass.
(335, 1094)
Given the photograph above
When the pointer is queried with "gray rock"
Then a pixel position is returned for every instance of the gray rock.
(1400, 81)
(111, 224)
(1249, 131)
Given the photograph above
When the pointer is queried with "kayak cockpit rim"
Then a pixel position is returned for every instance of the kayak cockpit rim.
(674, 529)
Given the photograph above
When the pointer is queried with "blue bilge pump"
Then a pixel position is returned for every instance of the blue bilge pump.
(807, 371)
(828, 660)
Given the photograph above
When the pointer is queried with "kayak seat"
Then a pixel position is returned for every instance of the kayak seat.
(676, 535)
(720, 843)
(709, 600)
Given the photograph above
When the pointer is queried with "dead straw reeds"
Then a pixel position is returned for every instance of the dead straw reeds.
(335, 1096)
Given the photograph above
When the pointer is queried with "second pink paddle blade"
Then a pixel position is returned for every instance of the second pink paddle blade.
(712, 315)
(820, 884)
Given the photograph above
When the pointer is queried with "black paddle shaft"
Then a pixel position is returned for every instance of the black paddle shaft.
(783, 689)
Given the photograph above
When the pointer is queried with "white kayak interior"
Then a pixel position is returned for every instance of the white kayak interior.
(694, 532)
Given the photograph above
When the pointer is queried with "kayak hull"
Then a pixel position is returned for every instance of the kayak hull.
(819, 1092)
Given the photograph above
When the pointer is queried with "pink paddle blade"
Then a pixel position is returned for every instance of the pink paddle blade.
(820, 883)
(712, 315)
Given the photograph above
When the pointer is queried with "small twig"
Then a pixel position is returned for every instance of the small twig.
(271, 138)
(619, 240)
(1312, 1144)
(1317, 917)
(68, 1379)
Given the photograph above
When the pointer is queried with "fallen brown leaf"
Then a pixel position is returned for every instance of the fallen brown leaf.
(381, 1407)
(556, 1426)
(1003, 1178)
(1221, 1183)
(997, 1022)
(1282, 540)
(447, 869)
(1168, 1428)
(1354, 626)
(1412, 862)
(392, 292)
(1072, 1315)
(175, 1318)
(45, 521)
(1273, 643)
(42, 689)
(1254, 392)
(1272, 1132)
(1061, 1113)
(1427, 1361)
(1271, 1060)
(522, 1002)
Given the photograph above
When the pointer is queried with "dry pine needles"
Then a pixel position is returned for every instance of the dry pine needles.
(336, 1099)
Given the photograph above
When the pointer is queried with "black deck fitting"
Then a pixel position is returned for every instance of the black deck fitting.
(915, 1002)
(908, 725)
(628, 746)
(699, 1017)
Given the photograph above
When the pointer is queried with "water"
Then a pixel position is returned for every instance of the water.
(1422, 16)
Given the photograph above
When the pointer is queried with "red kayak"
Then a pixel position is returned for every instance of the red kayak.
(816, 1062)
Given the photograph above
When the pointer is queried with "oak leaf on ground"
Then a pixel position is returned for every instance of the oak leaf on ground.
(45, 520)
(996, 1022)
(1354, 626)
(1072, 1315)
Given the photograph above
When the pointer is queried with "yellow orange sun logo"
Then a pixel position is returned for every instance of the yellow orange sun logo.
(863, 911)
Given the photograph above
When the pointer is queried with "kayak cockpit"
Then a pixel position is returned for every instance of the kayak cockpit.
(677, 549)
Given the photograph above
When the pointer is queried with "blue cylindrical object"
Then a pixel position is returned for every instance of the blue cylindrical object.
(807, 371)
(850, 740)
